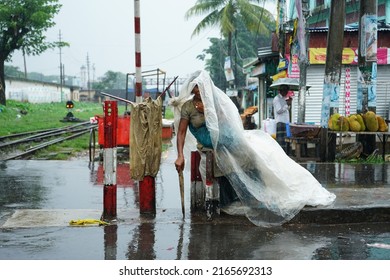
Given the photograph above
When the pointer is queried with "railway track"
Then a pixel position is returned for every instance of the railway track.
(22, 145)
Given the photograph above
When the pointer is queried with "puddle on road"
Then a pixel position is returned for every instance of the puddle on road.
(77, 185)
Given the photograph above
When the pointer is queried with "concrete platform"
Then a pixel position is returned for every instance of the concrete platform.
(352, 205)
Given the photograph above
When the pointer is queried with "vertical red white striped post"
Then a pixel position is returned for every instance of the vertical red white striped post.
(147, 191)
(147, 195)
(137, 37)
(110, 159)
(347, 91)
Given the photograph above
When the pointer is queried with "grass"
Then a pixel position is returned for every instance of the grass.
(19, 117)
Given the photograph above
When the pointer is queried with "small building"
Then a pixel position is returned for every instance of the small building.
(25, 90)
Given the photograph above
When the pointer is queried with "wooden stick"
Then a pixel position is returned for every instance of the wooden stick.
(181, 183)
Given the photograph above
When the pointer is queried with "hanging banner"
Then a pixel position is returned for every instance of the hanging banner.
(369, 28)
(228, 69)
(350, 56)
(293, 69)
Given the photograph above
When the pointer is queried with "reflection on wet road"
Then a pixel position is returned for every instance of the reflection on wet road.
(150, 241)
(71, 185)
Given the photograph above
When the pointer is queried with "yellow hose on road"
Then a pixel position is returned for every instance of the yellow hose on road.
(84, 222)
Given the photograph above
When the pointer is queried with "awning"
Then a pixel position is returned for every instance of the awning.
(293, 84)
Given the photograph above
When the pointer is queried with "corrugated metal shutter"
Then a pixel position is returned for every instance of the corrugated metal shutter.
(315, 78)
(383, 91)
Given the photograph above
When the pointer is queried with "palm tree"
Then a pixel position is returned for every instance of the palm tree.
(227, 13)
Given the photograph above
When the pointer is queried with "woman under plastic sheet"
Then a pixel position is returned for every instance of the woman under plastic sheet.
(272, 187)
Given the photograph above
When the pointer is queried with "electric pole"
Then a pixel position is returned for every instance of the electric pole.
(334, 55)
(367, 66)
(303, 62)
(88, 76)
(332, 77)
(61, 68)
(25, 64)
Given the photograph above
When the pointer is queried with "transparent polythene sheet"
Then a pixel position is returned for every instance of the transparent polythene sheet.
(271, 186)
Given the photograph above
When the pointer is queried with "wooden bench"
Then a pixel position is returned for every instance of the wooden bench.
(301, 152)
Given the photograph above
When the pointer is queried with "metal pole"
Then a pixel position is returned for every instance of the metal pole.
(147, 188)
(110, 159)
(367, 66)
(147, 195)
(211, 194)
(334, 53)
(127, 90)
(137, 37)
(197, 188)
(303, 10)
(332, 77)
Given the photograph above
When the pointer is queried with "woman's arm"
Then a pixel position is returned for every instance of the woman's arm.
(181, 135)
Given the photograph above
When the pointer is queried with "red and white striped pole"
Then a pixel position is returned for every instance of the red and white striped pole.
(347, 91)
(109, 159)
(147, 187)
(137, 37)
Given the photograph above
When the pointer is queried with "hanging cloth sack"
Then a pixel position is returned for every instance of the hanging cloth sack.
(145, 138)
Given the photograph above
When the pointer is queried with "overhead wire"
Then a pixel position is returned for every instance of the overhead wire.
(180, 54)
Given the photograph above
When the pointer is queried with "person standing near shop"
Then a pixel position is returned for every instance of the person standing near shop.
(281, 105)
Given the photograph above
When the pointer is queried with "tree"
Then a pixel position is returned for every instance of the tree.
(246, 45)
(226, 14)
(13, 71)
(111, 80)
(22, 27)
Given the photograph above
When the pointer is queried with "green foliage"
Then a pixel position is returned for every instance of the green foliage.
(246, 43)
(24, 22)
(22, 25)
(111, 80)
(376, 159)
(169, 113)
(46, 116)
(245, 27)
(20, 116)
(13, 71)
(224, 14)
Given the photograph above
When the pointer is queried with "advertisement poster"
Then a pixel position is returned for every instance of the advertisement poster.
(366, 89)
(228, 69)
(350, 56)
(369, 46)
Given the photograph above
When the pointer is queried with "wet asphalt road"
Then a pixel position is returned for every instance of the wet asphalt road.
(47, 194)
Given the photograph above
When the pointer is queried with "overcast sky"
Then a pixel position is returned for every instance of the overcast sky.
(104, 31)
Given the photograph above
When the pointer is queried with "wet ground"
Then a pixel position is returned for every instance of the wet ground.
(39, 198)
